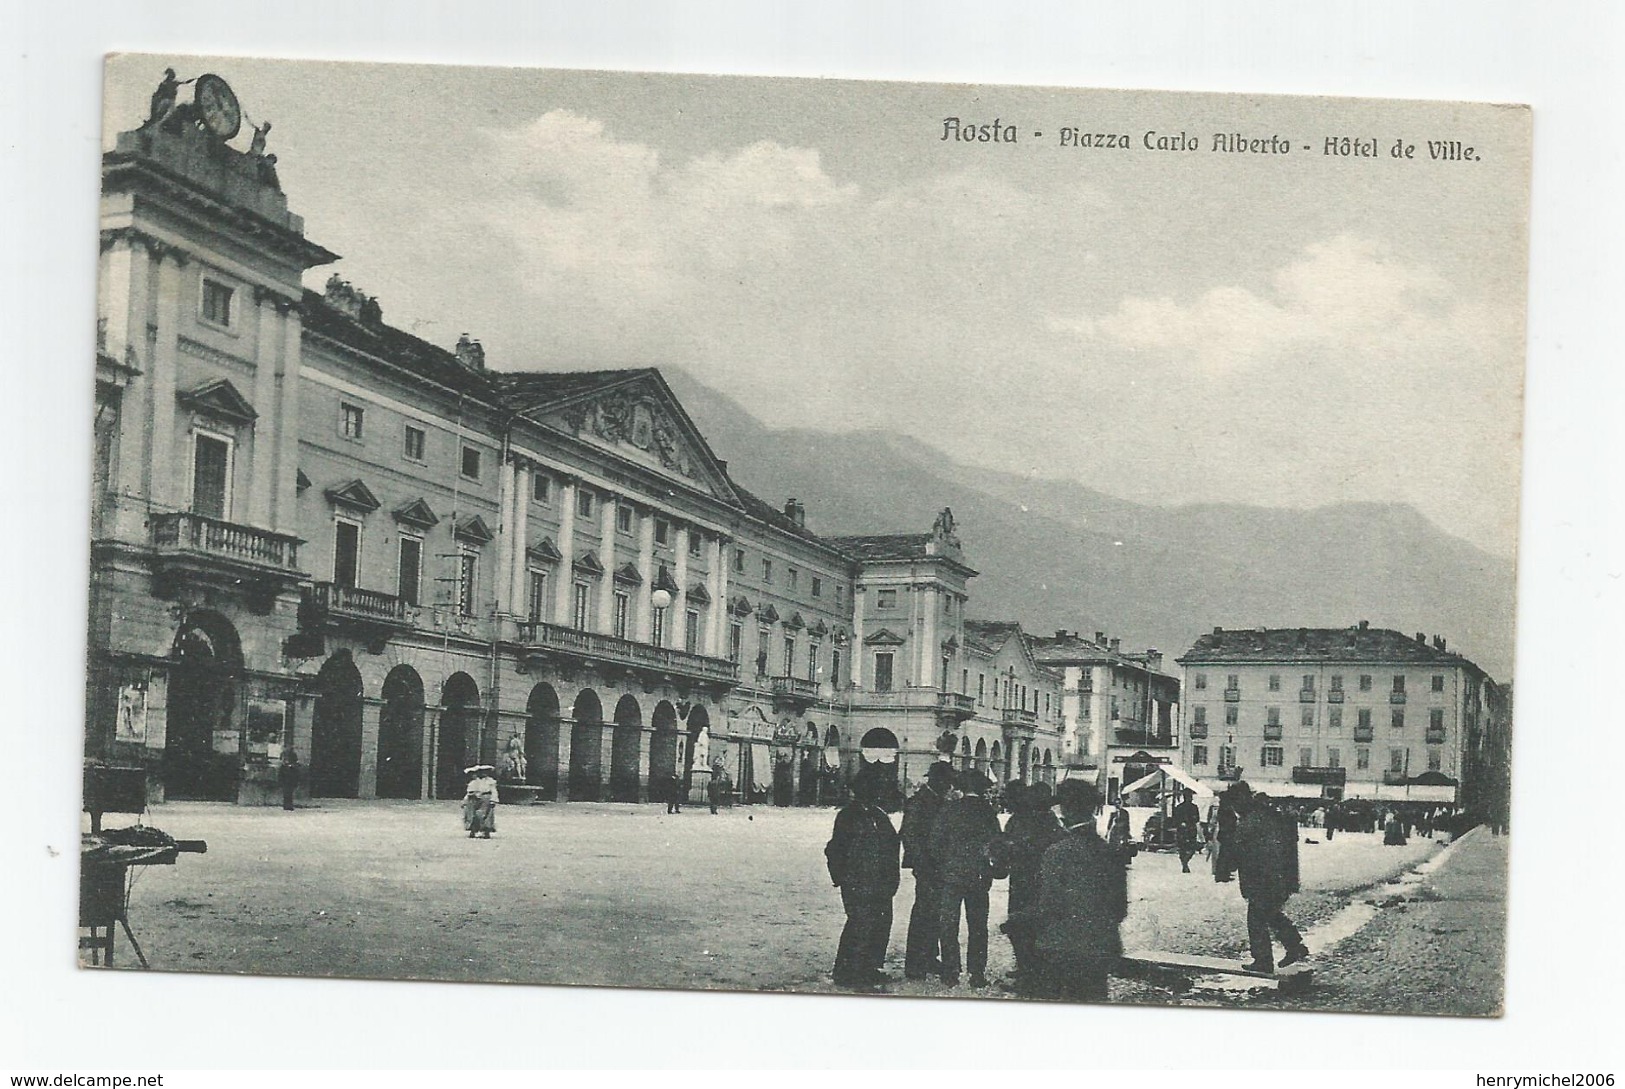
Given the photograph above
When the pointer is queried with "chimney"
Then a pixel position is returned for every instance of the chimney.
(1153, 659)
(470, 354)
(1438, 643)
(1061, 635)
(1422, 638)
(1100, 638)
(1116, 642)
(1365, 625)
(794, 511)
(1218, 631)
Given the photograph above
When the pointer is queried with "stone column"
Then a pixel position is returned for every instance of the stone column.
(286, 514)
(567, 553)
(171, 480)
(263, 479)
(931, 650)
(561, 791)
(431, 748)
(677, 628)
(716, 584)
(372, 711)
(646, 569)
(645, 743)
(502, 577)
(606, 760)
(126, 275)
(519, 589)
(606, 556)
(857, 636)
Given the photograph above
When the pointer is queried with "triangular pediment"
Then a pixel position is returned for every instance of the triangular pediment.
(300, 480)
(587, 564)
(767, 614)
(635, 416)
(416, 513)
(355, 495)
(698, 594)
(220, 398)
(545, 550)
(664, 581)
(883, 638)
(627, 574)
(818, 628)
(795, 622)
(741, 606)
(474, 529)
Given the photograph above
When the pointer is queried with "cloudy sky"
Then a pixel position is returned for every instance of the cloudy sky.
(1168, 327)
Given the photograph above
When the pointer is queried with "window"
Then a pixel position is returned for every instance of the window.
(1396, 760)
(1397, 717)
(981, 689)
(739, 561)
(1231, 716)
(346, 552)
(1436, 719)
(537, 611)
(541, 488)
(883, 671)
(736, 641)
(1275, 682)
(1271, 756)
(657, 629)
(623, 615)
(696, 539)
(1435, 759)
(1399, 683)
(662, 531)
(1201, 681)
(812, 661)
(691, 631)
(623, 518)
(468, 575)
(1227, 756)
(413, 444)
(1308, 682)
(835, 666)
(408, 583)
(817, 586)
(947, 667)
(583, 504)
(470, 467)
(1272, 716)
(1334, 718)
(1199, 755)
(764, 636)
(1362, 759)
(839, 594)
(1334, 758)
(1337, 682)
(793, 575)
(1307, 719)
(886, 599)
(1365, 682)
(216, 303)
(1233, 682)
(211, 476)
(767, 570)
(351, 420)
(789, 656)
(1365, 718)
(1201, 716)
(1438, 682)
(1306, 757)
(582, 603)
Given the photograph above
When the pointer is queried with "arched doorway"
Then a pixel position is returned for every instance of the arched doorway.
(205, 665)
(811, 767)
(830, 782)
(586, 747)
(1049, 767)
(626, 752)
(335, 732)
(981, 756)
(666, 750)
(459, 734)
(542, 739)
(996, 754)
(400, 735)
(879, 757)
(964, 753)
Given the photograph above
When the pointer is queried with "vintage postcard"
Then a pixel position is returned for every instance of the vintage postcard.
(996, 542)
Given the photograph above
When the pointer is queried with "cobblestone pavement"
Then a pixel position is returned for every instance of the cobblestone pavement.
(614, 895)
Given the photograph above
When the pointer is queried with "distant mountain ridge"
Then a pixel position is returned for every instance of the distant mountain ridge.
(1056, 554)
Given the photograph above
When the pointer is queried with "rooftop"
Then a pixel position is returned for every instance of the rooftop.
(885, 546)
(1358, 643)
(526, 391)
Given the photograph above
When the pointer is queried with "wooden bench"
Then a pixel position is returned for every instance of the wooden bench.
(1151, 964)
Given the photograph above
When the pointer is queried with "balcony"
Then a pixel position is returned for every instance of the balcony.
(1229, 774)
(1272, 731)
(957, 706)
(1019, 716)
(1198, 731)
(1396, 697)
(1306, 695)
(571, 644)
(1394, 778)
(1364, 733)
(1140, 737)
(376, 615)
(192, 547)
(1232, 695)
(1435, 735)
(795, 693)
(1334, 695)
(1320, 776)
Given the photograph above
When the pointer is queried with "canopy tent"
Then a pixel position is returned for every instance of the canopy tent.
(1177, 774)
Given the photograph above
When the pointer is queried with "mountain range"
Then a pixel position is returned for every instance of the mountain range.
(1055, 554)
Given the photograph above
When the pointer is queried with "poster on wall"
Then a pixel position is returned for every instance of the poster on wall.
(132, 714)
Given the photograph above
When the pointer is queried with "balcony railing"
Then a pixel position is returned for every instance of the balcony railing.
(1396, 697)
(1272, 731)
(1365, 733)
(1232, 695)
(1198, 731)
(1306, 695)
(1229, 774)
(795, 687)
(1334, 695)
(958, 705)
(1139, 735)
(353, 603)
(1019, 716)
(1435, 735)
(185, 532)
(625, 652)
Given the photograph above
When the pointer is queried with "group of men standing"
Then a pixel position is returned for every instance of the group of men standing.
(1068, 891)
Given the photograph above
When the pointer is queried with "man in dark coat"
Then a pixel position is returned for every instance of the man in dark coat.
(964, 831)
(1031, 830)
(924, 956)
(1224, 835)
(672, 787)
(288, 778)
(1082, 901)
(862, 854)
(1186, 817)
(1266, 846)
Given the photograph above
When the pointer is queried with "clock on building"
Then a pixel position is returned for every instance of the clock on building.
(217, 106)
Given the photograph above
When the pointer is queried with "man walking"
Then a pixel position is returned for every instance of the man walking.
(960, 840)
(1082, 901)
(1266, 845)
(862, 854)
(1186, 818)
(1031, 830)
(924, 955)
(288, 777)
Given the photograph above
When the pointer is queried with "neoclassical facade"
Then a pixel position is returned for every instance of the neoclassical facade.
(314, 531)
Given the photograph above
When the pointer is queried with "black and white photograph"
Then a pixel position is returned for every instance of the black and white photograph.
(922, 540)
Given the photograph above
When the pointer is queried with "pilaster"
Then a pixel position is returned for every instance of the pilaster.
(502, 577)
(678, 627)
(167, 486)
(518, 586)
(262, 481)
(286, 514)
(606, 557)
(565, 584)
(646, 569)
(372, 712)
(716, 624)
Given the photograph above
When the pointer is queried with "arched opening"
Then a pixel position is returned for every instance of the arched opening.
(879, 757)
(335, 732)
(206, 662)
(981, 756)
(666, 751)
(626, 771)
(996, 754)
(1049, 767)
(829, 784)
(586, 747)
(964, 754)
(697, 753)
(1026, 761)
(459, 734)
(542, 739)
(808, 774)
(400, 735)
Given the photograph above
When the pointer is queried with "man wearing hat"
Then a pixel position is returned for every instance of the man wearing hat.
(1082, 900)
(1031, 830)
(480, 801)
(862, 855)
(924, 956)
(1186, 816)
(961, 839)
(1266, 852)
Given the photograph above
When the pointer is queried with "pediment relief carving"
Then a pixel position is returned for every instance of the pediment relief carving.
(353, 494)
(884, 638)
(221, 400)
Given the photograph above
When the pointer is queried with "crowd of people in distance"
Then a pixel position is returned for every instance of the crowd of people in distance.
(1068, 885)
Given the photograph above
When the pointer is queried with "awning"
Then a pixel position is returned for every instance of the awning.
(880, 756)
(1290, 790)
(1178, 775)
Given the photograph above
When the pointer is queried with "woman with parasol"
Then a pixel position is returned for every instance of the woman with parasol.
(480, 801)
